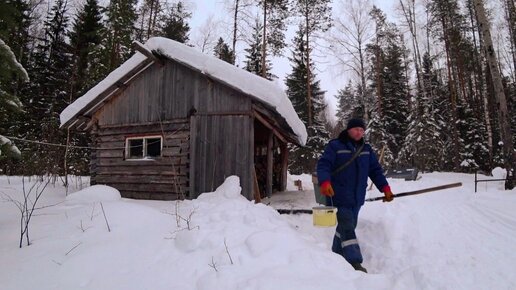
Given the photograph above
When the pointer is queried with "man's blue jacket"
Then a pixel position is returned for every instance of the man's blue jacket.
(349, 184)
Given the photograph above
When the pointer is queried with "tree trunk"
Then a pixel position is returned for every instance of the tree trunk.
(264, 41)
(511, 19)
(481, 89)
(409, 17)
(309, 90)
(508, 146)
(363, 81)
(235, 20)
(453, 97)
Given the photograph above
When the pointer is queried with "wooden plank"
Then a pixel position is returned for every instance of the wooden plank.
(193, 156)
(277, 121)
(250, 156)
(226, 113)
(270, 126)
(256, 188)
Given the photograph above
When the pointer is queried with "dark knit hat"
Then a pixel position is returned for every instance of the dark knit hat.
(353, 123)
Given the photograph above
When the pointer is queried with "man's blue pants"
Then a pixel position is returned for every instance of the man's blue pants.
(345, 240)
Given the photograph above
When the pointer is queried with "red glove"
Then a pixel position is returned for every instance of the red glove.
(326, 189)
(389, 196)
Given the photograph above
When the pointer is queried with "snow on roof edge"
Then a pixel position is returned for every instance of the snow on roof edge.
(247, 82)
(74, 108)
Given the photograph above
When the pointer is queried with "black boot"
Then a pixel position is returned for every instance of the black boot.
(358, 267)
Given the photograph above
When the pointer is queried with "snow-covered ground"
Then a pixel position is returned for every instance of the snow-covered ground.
(450, 239)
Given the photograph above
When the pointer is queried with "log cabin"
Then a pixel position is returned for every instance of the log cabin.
(171, 123)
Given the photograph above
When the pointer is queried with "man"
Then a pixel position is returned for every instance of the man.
(342, 171)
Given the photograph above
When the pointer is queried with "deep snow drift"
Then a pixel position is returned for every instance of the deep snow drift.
(450, 239)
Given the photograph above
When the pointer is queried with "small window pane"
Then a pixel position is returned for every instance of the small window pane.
(136, 148)
(153, 147)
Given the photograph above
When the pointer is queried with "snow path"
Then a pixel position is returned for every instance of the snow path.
(449, 239)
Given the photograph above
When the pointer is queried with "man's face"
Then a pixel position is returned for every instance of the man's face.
(356, 133)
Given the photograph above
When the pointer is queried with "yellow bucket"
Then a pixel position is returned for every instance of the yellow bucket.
(324, 216)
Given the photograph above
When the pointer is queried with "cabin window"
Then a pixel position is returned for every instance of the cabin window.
(147, 147)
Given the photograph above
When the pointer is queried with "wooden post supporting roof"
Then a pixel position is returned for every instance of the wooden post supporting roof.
(284, 166)
(270, 143)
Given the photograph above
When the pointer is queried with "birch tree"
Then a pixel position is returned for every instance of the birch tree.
(504, 118)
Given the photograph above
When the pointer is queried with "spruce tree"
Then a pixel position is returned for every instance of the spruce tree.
(253, 55)
(348, 104)
(389, 80)
(424, 142)
(474, 154)
(222, 51)
(120, 28)
(304, 159)
(150, 16)
(176, 23)
(47, 95)
(84, 38)
(9, 103)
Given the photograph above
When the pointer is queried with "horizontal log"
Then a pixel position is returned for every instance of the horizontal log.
(110, 154)
(144, 129)
(164, 122)
(140, 179)
(158, 162)
(169, 170)
(175, 151)
(152, 196)
(170, 139)
(167, 173)
(155, 188)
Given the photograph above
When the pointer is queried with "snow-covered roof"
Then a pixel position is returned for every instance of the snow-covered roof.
(244, 81)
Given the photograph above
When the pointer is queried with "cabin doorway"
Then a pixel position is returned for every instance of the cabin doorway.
(270, 162)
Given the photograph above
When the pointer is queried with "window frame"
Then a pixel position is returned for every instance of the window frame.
(144, 157)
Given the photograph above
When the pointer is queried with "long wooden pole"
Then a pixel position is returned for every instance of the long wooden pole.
(441, 187)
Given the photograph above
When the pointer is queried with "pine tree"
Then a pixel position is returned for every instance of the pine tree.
(316, 17)
(275, 14)
(150, 16)
(176, 23)
(254, 53)
(222, 51)
(304, 159)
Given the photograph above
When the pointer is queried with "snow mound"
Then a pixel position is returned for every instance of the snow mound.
(229, 189)
(95, 193)
(499, 173)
